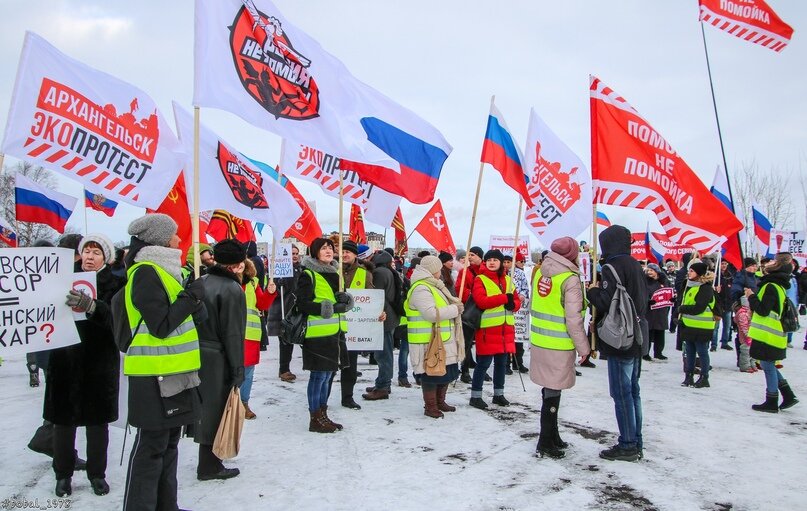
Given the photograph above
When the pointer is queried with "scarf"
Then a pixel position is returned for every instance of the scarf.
(164, 257)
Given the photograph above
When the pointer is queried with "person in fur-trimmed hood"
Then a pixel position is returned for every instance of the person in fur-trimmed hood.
(696, 322)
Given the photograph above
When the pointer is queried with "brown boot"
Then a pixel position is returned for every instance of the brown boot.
(248, 414)
(430, 408)
(318, 424)
(324, 411)
(441, 399)
(376, 394)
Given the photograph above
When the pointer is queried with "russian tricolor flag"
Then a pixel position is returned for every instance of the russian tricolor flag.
(602, 220)
(500, 150)
(762, 229)
(7, 234)
(731, 251)
(100, 203)
(35, 203)
(654, 250)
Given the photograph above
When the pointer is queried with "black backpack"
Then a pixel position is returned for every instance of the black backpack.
(790, 317)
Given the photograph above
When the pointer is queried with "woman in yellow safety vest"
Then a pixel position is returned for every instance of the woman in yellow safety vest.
(258, 300)
(324, 350)
(427, 298)
(768, 339)
(697, 323)
(494, 293)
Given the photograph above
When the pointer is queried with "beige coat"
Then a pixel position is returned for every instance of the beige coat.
(554, 369)
(422, 301)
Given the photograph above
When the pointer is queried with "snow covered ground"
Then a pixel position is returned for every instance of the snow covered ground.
(705, 449)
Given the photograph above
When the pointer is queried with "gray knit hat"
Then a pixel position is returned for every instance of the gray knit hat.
(102, 241)
(431, 264)
(154, 229)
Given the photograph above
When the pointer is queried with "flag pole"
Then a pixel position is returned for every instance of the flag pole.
(86, 231)
(594, 260)
(341, 222)
(720, 133)
(515, 244)
(274, 239)
(195, 214)
(473, 221)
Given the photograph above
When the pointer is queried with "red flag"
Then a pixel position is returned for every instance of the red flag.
(633, 166)
(434, 228)
(306, 228)
(175, 205)
(400, 233)
(752, 20)
(357, 232)
(223, 225)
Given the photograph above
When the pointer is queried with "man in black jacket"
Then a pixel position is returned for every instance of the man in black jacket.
(624, 366)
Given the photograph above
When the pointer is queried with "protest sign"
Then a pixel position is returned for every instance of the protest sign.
(522, 317)
(33, 313)
(505, 244)
(84, 282)
(365, 332)
(283, 264)
(662, 297)
(788, 241)
(585, 266)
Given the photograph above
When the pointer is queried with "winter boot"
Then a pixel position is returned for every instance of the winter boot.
(477, 402)
(430, 408)
(63, 487)
(549, 429)
(248, 414)
(441, 399)
(558, 442)
(788, 398)
(324, 411)
(770, 405)
(688, 381)
(703, 382)
(500, 400)
(318, 424)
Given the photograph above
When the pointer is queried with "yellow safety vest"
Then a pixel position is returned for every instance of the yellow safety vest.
(253, 330)
(768, 329)
(703, 321)
(498, 315)
(359, 278)
(547, 315)
(419, 330)
(317, 325)
(149, 355)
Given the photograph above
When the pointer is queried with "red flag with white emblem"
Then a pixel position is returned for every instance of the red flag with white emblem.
(434, 229)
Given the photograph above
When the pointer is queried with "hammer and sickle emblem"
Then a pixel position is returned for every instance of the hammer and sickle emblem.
(173, 195)
(436, 222)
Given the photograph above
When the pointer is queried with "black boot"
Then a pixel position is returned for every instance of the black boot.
(770, 405)
(688, 380)
(703, 382)
(63, 487)
(549, 429)
(558, 442)
(788, 398)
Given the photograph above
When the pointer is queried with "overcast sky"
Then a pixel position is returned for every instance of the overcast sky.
(444, 59)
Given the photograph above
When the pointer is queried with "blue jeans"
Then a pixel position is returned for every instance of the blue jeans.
(246, 387)
(725, 337)
(318, 389)
(623, 383)
(499, 368)
(702, 349)
(403, 359)
(772, 377)
(385, 358)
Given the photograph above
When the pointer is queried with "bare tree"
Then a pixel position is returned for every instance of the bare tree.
(27, 232)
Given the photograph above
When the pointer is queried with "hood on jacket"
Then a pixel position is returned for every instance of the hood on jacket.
(318, 266)
(382, 258)
(778, 277)
(615, 240)
(554, 264)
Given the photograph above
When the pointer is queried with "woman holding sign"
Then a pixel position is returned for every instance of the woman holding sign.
(658, 315)
(82, 379)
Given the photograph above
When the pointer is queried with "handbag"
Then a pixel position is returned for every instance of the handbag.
(435, 362)
(294, 324)
(227, 442)
(472, 315)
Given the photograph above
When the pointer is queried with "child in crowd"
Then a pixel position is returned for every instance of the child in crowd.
(742, 316)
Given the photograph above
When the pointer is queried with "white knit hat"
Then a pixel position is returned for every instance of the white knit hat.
(105, 243)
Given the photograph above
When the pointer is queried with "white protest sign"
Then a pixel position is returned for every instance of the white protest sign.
(85, 282)
(787, 241)
(505, 244)
(585, 266)
(522, 317)
(33, 285)
(364, 330)
(283, 264)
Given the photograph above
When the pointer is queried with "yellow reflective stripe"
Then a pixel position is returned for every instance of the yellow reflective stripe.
(548, 326)
(418, 328)
(548, 317)
(330, 321)
(766, 328)
(158, 351)
(703, 319)
(551, 333)
(184, 328)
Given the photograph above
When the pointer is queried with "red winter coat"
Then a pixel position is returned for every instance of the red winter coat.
(252, 349)
(496, 339)
(466, 291)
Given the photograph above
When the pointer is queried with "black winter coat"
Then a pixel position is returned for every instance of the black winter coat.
(702, 299)
(384, 277)
(657, 319)
(801, 278)
(327, 353)
(743, 279)
(147, 409)
(221, 340)
(82, 380)
(286, 287)
(615, 242)
(764, 305)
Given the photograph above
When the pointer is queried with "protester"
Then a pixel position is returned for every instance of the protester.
(386, 278)
(205, 258)
(81, 385)
(768, 339)
(793, 294)
(523, 290)
(221, 340)
(464, 282)
(257, 301)
(324, 350)
(427, 301)
(557, 331)
(657, 318)
(495, 295)
(697, 322)
(286, 287)
(723, 296)
(742, 317)
(446, 272)
(624, 367)
(159, 311)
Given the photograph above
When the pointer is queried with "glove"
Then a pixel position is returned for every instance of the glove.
(200, 314)
(326, 309)
(346, 299)
(460, 308)
(237, 376)
(511, 302)
(80, 302)
(196, 290)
